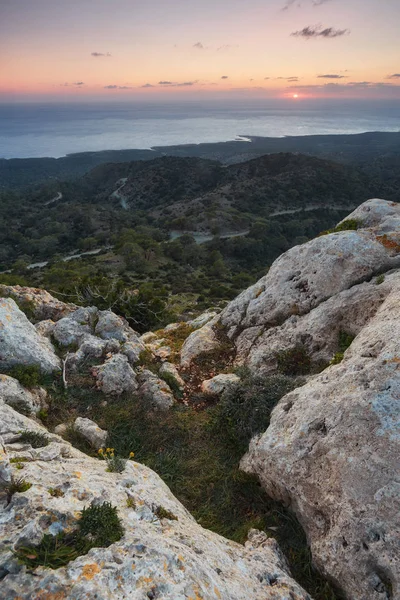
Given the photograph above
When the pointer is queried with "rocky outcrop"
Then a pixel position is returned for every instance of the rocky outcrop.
(71, 330)
(332, 450)
(38, 302)
(89, 430)
(115, 376)
(218, 384)
(155, 392)
(20, 344)
(168, 557)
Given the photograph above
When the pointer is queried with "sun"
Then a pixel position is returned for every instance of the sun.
(295, 96)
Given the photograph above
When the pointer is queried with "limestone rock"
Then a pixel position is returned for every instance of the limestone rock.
(202, 319)
(317, 331)
(163, 352)
(115, 376)
(133, 349)
(45, 328)
(154, 391)
(111, 326)
(306, 276)
(71, 330)
(219, 383)
(15, 395)
(148, 337)
(332, 452)
(39, 303)
(88, 429)
(201, 341)
(170, 372)
(20, 344)
(168, 559)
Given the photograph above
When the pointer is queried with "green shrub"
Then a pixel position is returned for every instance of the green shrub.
(245, 409)
(347, 225)
(16, 485)
(294, 361)
(164, 513)
(28, 375)
(35, 438)
(345, 340)
(98, 527)
(380, 279)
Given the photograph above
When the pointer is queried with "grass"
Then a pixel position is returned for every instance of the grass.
(15, 486)
(198, 458)
(294, 361)
(98, 527)
(35, 438)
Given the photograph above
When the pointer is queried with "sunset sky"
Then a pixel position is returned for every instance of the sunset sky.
(99, 49)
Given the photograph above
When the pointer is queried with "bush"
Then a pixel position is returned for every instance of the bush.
(28, 375)
(35, 438)
(14, 486)
(295, 361)
(98, 527)
(245, 409)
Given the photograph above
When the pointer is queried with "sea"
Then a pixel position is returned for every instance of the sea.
(54, 130)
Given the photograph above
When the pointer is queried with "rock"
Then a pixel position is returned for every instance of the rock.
(61, 429)
(219, 383)
(13, 422)
(202, 319)
(172, 327)
(148, 337)
(133, 350)
(15, 395)
(154, 391)
(170, 373)
(91, 432)
(332, 452)
(166, 559)
(38, 303)
(111, 326)
(307, 275)
(45, 328)
(20, 344)
(377, 213)
(115, 376)
(91, 348)
(71, 330)
(318, 331)
(163, 352)
(201, 341)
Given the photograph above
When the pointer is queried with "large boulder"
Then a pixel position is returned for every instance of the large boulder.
(40, 304)
(115, 376)
(332, 453)
(171, 557)
(305, 276)
(20, 344)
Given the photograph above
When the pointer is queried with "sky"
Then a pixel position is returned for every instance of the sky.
(70, 50)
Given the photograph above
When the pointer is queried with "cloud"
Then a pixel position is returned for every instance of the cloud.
(175, 84)
(99, 54)
(317, 31)
(289, 3)
(198, 45)
(292, 79)
(147, 85)
(393, 76)
(117, 87)
(265, 78)
(225, 47)
(331, 76)
(224, 77)
(78, 83)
